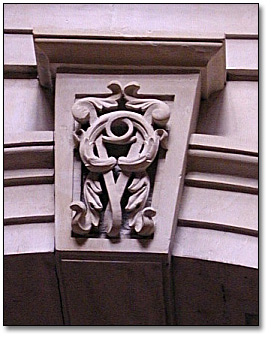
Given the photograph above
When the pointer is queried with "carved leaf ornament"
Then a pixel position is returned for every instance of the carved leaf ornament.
(143, 142)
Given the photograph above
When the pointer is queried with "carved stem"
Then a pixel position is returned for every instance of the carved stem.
(114, 225)
(122, 181)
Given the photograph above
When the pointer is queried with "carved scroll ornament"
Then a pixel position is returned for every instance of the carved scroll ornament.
(143, 142)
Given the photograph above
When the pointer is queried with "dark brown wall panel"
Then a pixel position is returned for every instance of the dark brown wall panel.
(211, 293)
(31, 295)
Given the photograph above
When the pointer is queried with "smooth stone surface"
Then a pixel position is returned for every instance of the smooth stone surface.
(220, 208)
(217, 162)
(26, 138)
(223, 144)
(74, 54)
(26, 157)
(222, 182)
(19, 50)
(27, 107)
(29, 238)
(242, 54)
(232, 112)
(18, 177)
(22, 203)
(212, 245)
(177, 20)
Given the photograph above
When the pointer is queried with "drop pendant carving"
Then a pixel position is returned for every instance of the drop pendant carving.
(131, 126)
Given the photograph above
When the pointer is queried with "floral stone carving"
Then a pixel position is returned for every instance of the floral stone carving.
(136, 119)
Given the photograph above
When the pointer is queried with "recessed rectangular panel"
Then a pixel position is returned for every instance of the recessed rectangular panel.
(113, 292)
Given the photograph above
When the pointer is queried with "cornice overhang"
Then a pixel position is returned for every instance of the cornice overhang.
(106, 54)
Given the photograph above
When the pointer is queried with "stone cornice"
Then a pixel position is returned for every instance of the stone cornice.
(104, 54)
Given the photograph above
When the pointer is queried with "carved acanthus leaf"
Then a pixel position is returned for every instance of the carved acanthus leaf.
(84, 110)
(87, 213)
(144, 224)
(92, 189)
(156, 111)
(81, 221)
(140, 218)
(140, 189)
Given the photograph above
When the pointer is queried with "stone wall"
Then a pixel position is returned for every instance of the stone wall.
(215, 249)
